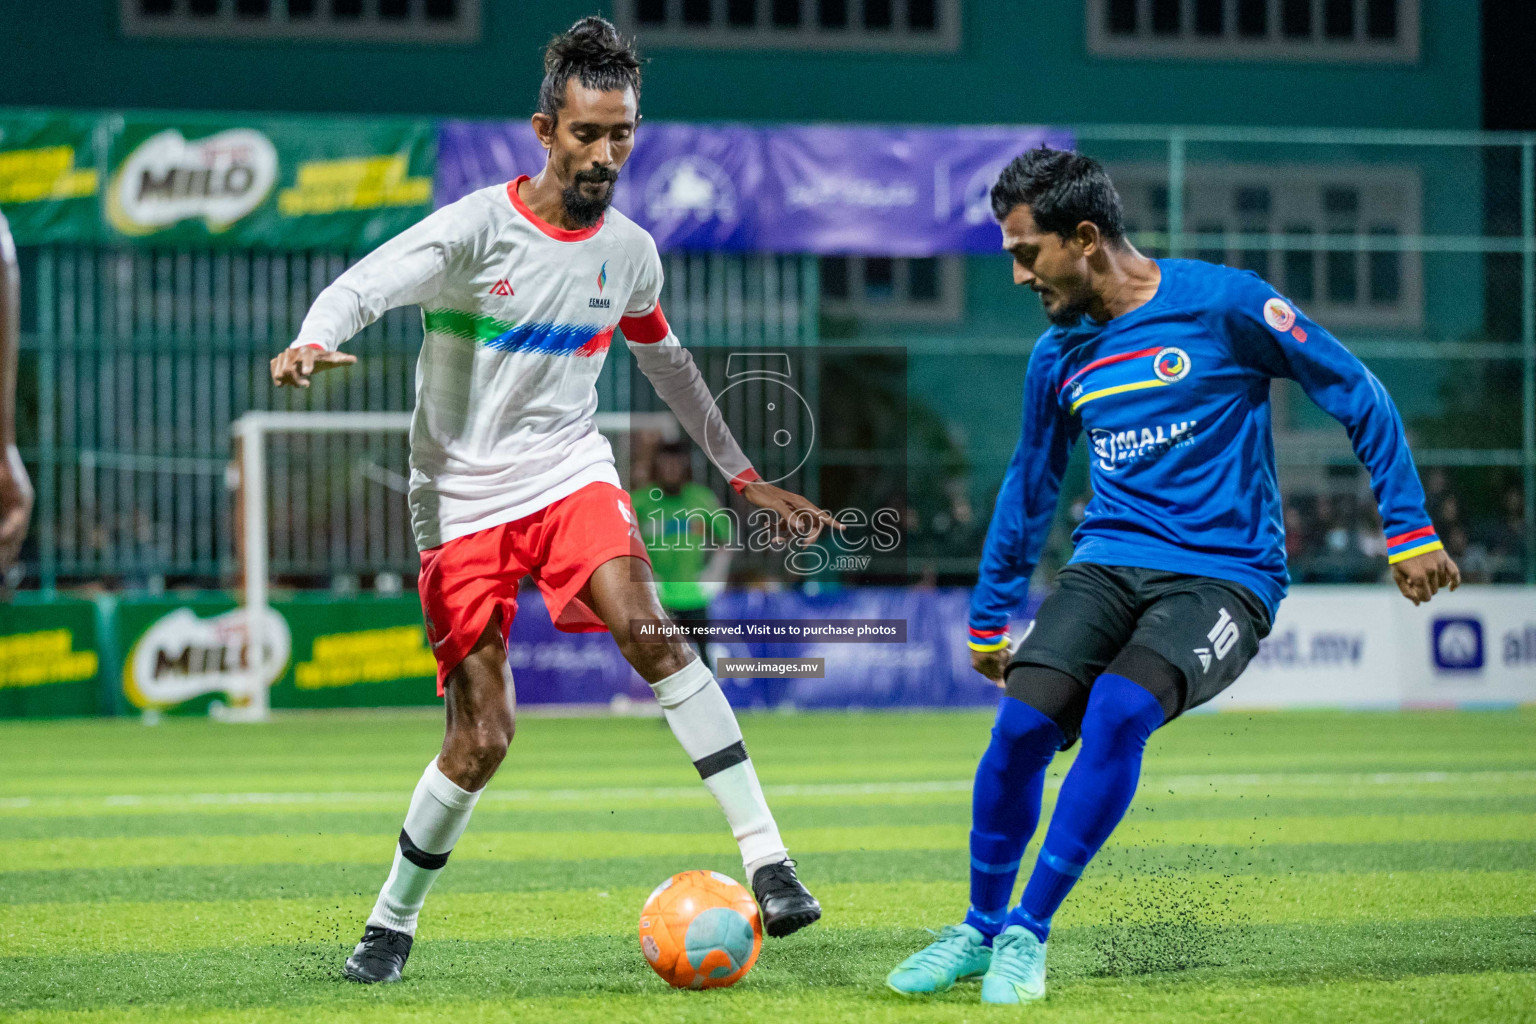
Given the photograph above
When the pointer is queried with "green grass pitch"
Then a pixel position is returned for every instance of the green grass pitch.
(1275, 867)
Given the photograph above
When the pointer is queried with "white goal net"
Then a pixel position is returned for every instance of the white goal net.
(321, 503)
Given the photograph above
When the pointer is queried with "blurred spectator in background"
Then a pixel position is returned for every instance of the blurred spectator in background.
(687, 533)
(15, 487)
(1504, 538)
(1296, 539)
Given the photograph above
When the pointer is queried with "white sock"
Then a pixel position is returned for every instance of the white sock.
(437, 816)
(703, 722)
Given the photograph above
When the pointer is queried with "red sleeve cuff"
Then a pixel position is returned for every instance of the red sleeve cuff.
(987, 640)
(1412, 543)
(647, 328)
(746, 476)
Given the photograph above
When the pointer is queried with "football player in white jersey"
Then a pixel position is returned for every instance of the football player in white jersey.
(521, 287)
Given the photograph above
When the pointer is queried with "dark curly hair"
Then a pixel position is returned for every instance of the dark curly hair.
(592, 52)
(1062, 189)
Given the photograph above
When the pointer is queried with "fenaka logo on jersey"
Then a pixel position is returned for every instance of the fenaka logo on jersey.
(602, 280)
(1115, 448)
(166, 180)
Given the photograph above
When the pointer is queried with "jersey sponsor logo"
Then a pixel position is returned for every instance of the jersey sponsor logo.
(502, 287)
(1115, 448)
(1279, 315)
(602, 277)
(1171, 364)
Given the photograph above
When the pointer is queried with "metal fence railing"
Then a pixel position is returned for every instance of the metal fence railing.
(1416, 248)
(136, 363)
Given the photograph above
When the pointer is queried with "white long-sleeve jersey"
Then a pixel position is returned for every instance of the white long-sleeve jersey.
(518, 316)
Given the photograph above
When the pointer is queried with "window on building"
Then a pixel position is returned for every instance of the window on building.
(1306, 30)
(886, 288)
(795, 24)
(1324, 235)
(404, 21)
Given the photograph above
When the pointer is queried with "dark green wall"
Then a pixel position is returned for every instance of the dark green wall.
(1019, 62)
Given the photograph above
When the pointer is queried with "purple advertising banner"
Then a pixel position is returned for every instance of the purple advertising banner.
(828, 189)
(930, 668)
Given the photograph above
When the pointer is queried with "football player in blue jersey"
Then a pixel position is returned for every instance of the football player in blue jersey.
(1179, 563)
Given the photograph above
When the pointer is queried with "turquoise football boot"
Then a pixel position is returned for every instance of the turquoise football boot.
(1017, 974)
(959, 952)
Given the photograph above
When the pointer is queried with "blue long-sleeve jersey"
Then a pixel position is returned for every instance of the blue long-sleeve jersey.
(1174, 398)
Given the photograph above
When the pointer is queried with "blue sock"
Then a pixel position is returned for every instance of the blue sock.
(1005, 807)
(1094, 796)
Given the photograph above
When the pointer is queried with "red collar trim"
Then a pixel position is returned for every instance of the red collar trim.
(558, 234)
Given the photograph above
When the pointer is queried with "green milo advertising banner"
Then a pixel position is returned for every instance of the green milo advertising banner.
(268, 183)
(181, 655)
(318, 652)
(50, 663)
(214, 181)
(50, 176)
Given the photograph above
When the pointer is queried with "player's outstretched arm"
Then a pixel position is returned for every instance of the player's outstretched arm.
(15, 487)
(1026, 503)
(1423, 576)
(1283, 342)
(407, 270)
(675, 376)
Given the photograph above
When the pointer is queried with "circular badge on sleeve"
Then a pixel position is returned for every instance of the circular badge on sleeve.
(1279, 315)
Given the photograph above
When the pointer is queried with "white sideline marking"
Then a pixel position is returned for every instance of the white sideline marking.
(819, 789)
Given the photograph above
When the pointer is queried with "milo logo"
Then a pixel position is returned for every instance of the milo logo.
(167, 179)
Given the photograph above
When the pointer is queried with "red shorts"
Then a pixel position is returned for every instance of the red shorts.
(463, 581)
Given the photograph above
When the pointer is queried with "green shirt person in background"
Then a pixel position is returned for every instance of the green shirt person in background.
(687, 533)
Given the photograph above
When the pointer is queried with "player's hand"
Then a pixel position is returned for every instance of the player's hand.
(797, 514)
(1421, 577)
(992, 664)
(15, 506)
(296, 365)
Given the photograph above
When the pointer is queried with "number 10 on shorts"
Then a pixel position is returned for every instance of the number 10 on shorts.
(1223, 635)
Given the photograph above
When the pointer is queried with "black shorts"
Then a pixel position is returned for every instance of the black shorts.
(1208, 629)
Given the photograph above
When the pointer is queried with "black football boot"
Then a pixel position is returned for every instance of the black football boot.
(379, 957)
(787, 905)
